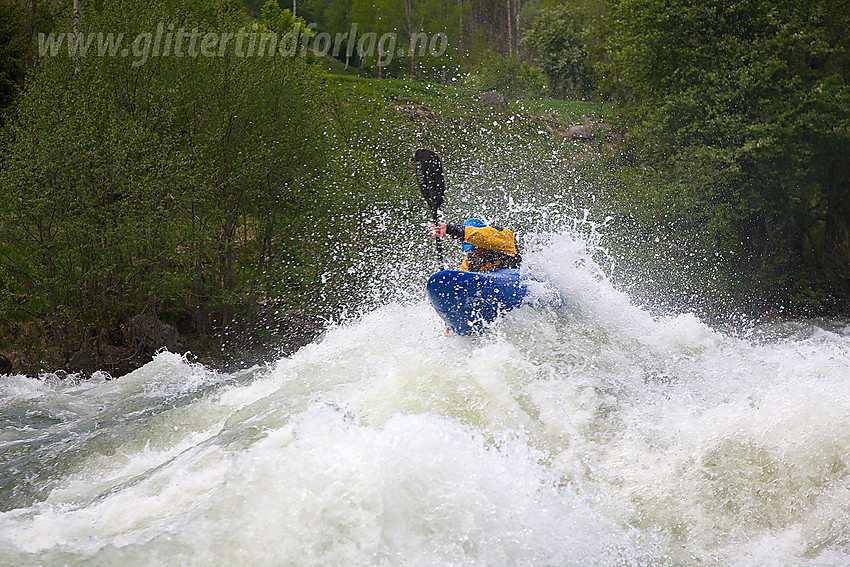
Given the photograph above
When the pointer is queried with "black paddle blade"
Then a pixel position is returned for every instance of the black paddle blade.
(429, 177)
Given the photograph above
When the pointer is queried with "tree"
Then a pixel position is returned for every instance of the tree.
(124, 194)
(559, 44)
(739, 116)
(13, 51)
(412, 21)
(511, 77)
(277, 20)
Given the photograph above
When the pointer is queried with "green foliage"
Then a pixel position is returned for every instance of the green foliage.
(570, 110)
(332, 16)
(511, 77)
(408, 22)
(167, 187)
(742, 114)
(13, 51)
(277, 20)
(560, 46)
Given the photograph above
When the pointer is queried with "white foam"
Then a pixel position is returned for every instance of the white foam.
(584, 433)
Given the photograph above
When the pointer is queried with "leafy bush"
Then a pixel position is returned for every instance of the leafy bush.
(739, 122)
(559, 43)
(510, 76)
(168, 187)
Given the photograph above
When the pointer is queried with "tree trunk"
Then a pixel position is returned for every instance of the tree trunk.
(516, 24)
(78, 10)
(510, 39)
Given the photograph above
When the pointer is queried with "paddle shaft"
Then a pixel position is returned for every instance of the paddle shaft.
(438, 240)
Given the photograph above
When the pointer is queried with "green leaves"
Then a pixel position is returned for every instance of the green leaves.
(746, 102)
(280, 21)
(511, 77)
(560, 45)
(165, 187)
(13, 50)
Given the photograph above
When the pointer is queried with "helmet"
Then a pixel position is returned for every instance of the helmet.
(477, 224)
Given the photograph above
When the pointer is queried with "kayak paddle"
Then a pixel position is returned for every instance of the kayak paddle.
(429, 178)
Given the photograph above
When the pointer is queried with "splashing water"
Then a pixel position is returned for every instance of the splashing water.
(584, 431)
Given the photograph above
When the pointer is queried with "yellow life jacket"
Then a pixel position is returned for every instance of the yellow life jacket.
(499, 245)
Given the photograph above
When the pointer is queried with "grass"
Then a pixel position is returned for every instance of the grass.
(446, 97)
(336, 67)
(386, 89)
(570, 111)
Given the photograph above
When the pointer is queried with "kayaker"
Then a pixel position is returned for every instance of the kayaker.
(487, 247)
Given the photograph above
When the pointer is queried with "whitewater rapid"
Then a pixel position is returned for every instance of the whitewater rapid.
(582, 430)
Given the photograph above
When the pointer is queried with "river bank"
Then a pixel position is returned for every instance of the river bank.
(144, 336)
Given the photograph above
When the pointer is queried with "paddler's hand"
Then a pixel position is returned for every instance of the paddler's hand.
(438, 230)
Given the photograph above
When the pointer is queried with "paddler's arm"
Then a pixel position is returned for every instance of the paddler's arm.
(455, 230)
(442, 229)
(489, 237)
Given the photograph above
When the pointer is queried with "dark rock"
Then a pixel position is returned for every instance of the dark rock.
(419, 113)
(270, 340)
(146, 335)
(119, 361)
(583, 132)
(5, 365)
(84, 360)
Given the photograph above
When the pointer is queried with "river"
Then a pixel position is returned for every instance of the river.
(583, 430)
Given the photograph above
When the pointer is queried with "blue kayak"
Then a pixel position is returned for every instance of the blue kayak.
(468, 300)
